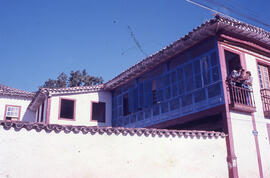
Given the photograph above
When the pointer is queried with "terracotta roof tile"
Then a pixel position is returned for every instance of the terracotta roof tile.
(8, 91)
(18, 125)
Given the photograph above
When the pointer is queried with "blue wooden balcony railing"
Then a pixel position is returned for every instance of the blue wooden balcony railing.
(174, 108)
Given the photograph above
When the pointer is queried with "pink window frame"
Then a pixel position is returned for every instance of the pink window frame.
(235, 51)
(19, 116)
(74, 110)
(268, 130)
(91, 112)
(263, 63)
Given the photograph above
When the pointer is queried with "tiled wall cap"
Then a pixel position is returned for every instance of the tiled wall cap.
(17, 125)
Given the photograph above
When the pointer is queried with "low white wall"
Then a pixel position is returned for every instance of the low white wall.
(25, 115)
(31, 154)
(83, 108)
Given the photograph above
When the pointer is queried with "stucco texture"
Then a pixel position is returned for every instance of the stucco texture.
(31, 154)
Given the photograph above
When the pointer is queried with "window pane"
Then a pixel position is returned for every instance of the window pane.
(188, 70)
(159, 95)
(174, 104)
(206, 71)
(180, 74)
(98, 111)
(187, 100)
(174, 90)
(126, 105)
(198, 81)
(12, 111)
(215, 75)
(159, 83)
(168, 93)
(206, 77)
(119, 100)
(189, 83)
(166, 80)
(164, 107)
(181, 87)
(173, 75)
(120, 111)
(199, 95)
(147, 113)
(67, 109)
(214, 90)
(140, 116)
(156, 110)
(197, 67)
(213, 59)
(133, 118)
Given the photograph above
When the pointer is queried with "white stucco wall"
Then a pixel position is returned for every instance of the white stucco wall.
(261, 121)
(83, 108)
(31, 154)
(242, 127)
(25, 115)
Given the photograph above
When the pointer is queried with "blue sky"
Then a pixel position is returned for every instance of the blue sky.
(39, 39)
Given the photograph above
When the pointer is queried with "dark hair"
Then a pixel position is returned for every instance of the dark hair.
(239, 68)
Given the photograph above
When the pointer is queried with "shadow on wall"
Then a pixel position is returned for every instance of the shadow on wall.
(29, 116)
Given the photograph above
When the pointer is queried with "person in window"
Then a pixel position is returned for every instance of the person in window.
(247, 84)
(237, 76)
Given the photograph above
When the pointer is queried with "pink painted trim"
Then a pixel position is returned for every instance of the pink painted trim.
(48, 111)
(19, 116)
(264, 64)
(252, 46)
(268, 129)
(74, 112)
(243, 51)
(91, 112)
(257, 146)
(241, 55)
(231, 157)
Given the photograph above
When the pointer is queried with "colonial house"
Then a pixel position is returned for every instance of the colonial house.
(14, 103)
(184, 86)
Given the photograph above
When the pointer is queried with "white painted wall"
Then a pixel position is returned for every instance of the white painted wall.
(83, 108)
(261, 121)
(31, 154)
(25, 115)
(244, 145)
(244, 142)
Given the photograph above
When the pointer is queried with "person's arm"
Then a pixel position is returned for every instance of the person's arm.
(249, 81)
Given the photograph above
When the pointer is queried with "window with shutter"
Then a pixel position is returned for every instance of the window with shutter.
(263, 76)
